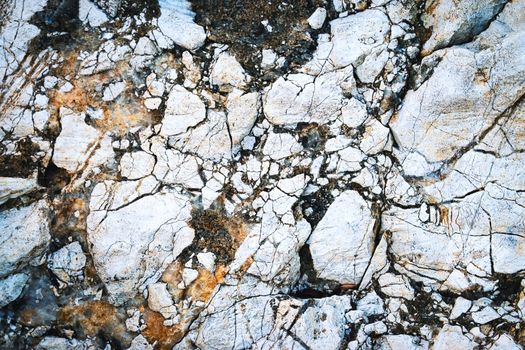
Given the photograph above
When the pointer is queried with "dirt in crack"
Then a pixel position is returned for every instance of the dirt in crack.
(215, 233)
(249, 26)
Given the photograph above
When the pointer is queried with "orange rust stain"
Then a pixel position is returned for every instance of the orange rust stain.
(121, 116)
(444, 215)
(202, 288)
(94, 317)
(245, 266)
(348, 286)
(118, 117)
(237, 229)
(156, 332)
(77, 99)
(173, 274)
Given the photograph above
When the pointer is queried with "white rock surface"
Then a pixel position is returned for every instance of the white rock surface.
(159, 300)
(438, 123)
(12, 187)
(451, 337)
(342, 243)
(113, 90)
(136, 165)
(89, 13)
(183, 110)
(396, 286)
(303, 98)
(313, 199)
(17, 33)
(455, 27)
(24, 233)
(356, 36)
(176, 26)
(227, 71)
(316, 20)
(160, 234)
(505, 342)
(11, 287)
(76, 142)
(401, 342)
(461, 306)
(485, 315)
(68, 262)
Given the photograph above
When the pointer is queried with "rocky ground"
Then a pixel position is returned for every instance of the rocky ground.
(309, 174)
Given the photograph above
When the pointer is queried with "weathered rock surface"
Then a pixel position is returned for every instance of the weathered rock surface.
(24, 235)
(265, 175)
(342, 243)
(11, 188)
(67, 263)
(11, 288)
(469, 18)
(176, 26)
(132, 243)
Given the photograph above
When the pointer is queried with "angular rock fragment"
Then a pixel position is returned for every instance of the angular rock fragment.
(11, 287)
(132, 245)
(468, 19)
(304, 98)
(111, 6)
(355, 36)
(183, 110)
(452, 337)
(316, 20)
(342, 243)
(11, 187)
(401, 341)
(280, 183)
(227, 72)
(68, 262)
(76, 142)
(90, 14)
(176, 26)
(24, 234)
(437, 124)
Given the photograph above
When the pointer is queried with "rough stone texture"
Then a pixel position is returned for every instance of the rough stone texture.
(469, 18)
(128, 261)
(11, 288)
(340, 174)
(24, 234)
(111, 6)
(176, 26)
(11, 188)
(67, 263)
(76, 142)
(342, 243)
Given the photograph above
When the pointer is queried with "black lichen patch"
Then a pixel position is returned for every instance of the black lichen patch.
(37, 307)
(319, 202)
(312, 136)
(129, 8)
(216, 233)
(53, 177)
(240, 25)
(21, 163)
(58, 16)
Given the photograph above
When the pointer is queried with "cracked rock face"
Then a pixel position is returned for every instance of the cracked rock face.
(337, 174)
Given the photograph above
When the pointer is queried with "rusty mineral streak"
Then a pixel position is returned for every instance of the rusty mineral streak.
(93, 318)
(202, 288)
(156, 332)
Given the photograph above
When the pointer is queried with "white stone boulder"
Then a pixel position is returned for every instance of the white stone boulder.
(24, 233)
(132, 245)
(343, 241)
